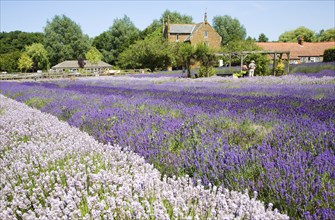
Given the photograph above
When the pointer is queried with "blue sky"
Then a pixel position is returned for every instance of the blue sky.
(269, 17)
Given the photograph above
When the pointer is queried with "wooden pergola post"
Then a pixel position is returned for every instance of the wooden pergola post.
(274, 63)
(288, 62)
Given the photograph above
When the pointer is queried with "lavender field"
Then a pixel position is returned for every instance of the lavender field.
(270, 135)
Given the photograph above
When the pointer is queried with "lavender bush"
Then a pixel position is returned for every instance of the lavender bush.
(50, 170)
(274, 135)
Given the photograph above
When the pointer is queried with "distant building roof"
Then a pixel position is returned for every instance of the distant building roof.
(306, 49)
(74, 64)
(182, 28)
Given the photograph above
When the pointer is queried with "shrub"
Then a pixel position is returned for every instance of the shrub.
(329, 55)
(202, 71)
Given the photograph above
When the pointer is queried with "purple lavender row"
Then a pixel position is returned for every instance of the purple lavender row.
(50, 170)
(274, 135)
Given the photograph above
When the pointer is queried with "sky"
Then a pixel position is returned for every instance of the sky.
(272, 18)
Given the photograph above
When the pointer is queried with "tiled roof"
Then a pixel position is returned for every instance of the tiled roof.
(182, 28)
(74, 64)
(307, 49)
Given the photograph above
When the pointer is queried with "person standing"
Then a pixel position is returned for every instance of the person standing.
(252, 67)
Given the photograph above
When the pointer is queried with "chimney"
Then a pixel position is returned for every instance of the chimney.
(301, 40)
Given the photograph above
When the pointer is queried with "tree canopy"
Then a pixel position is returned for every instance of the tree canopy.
(93, 55)
(327, 35)
(25, 62)
(38, 55)
(293, 35)
(64, 40)
(18, 40)
(263, 38)
(153, 52)
(118, 38)
(229, 29)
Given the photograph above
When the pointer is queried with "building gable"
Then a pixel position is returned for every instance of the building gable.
(193, 33)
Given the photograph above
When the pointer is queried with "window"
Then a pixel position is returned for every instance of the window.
(206, 34)
(177, 37)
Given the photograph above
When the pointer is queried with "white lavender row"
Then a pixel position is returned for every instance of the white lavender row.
(49, 170)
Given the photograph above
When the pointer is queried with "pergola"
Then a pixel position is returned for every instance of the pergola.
(244, 54)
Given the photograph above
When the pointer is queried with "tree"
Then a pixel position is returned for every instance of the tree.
(207, 60)
(327, 35)
(176, 18)
(9, 61)
(93, 55)
(103, 43)
(292, 36)
(64, 40)
(229, 29)
(25, 62)
(18, 40)
(262, 38)
(118, 38)
(38, 55)
(185, 56)
(153, 52)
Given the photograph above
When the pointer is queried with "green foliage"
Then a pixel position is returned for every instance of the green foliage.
(36, 102)
(117, 39)
(280, 67)
(262, 38)
(176, 18)
(25, 62)
(185, 56)
(240, 74)
(9, 61)
(153, 27)
(292, 36)
(327, 35)
(329, 55)
(206, 71)
(153, 52)
(64, 40)
(18, 40)
(262, 61)
(207, 60)
(38, 55)
(93, 55)
(229, 29)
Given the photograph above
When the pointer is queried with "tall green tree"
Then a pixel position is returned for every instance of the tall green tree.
(263, 38)
(25, 62)
(64, 40)
(93, 55)
(9, 61)
(39, 56)
(207, 60)
(153, 52)
(229, 29)
(176, 18)
(185, 56)
(293, 35)
(18, 40)
(118, 38)
(327, 35)
(103, 43)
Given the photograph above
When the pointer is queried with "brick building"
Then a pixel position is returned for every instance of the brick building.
(193, 33)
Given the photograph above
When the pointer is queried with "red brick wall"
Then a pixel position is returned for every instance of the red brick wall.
(213, 40)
